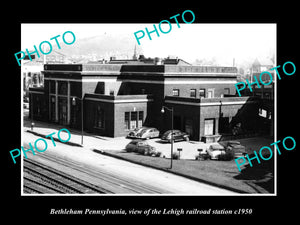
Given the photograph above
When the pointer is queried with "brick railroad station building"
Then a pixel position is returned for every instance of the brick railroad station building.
(119, 97)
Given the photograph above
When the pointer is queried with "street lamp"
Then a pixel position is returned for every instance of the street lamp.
(172, 118)
(74, 101)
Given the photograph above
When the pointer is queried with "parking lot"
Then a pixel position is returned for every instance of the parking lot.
(189, 148)
(224, 173)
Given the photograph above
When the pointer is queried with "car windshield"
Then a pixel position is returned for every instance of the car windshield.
(144, 131)
(234, 143)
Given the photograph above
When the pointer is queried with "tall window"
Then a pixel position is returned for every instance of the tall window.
(99, 117)
(62, 88)
(126, 121)
(52, 86)
(133, 120)
(141, 119)
(193, 93)
(175, 92)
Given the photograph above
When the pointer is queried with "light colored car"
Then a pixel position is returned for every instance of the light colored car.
(133, 133)
(148, 133)
(215, 150)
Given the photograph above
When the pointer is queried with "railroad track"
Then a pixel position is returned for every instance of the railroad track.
(110, 183)
(39, 178)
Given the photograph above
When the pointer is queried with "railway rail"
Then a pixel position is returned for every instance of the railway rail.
(40, 178)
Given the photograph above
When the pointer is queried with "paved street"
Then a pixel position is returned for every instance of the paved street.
(83, 156)
(92, 141)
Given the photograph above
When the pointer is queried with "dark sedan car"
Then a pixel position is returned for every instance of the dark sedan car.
(177, 136)
(141, 147)
(238, 149)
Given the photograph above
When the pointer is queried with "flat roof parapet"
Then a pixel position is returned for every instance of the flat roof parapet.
(102, 67)
(230, 99)
(200, 69)
(141, 68)
(246, 99)
(118, 97)
(63, 67)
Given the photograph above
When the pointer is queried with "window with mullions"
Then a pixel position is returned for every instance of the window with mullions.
(133, 120)
(193, 93)
(175, 92)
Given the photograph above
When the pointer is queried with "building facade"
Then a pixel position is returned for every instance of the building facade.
(112, 99)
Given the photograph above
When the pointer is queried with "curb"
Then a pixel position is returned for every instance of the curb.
(103, 152)
(54, 138)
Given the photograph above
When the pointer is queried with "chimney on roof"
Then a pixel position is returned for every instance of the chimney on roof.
(134, 54)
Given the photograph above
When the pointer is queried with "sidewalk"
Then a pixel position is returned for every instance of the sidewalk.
(223, 174)
(92, 141)
(89, 140)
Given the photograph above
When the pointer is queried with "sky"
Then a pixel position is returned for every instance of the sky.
(189, 42)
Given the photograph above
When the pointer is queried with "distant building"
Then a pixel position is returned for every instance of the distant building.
(55, 58)
(260, 66)
(32, 75)
(150, 61)
(265, 93)
(32, 70)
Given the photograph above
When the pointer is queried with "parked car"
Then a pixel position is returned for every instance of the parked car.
(177, 136)
(141, 147)
(215, 150)
(25, 105)
(133, 133)
(238, 149)
(148, 133)
(202, 155)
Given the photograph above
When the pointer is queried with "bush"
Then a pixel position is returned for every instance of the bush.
(175, 155)
(158, 154)
(202, 157)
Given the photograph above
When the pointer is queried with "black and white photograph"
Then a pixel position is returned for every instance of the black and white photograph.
(175, 114)
(143, 111)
